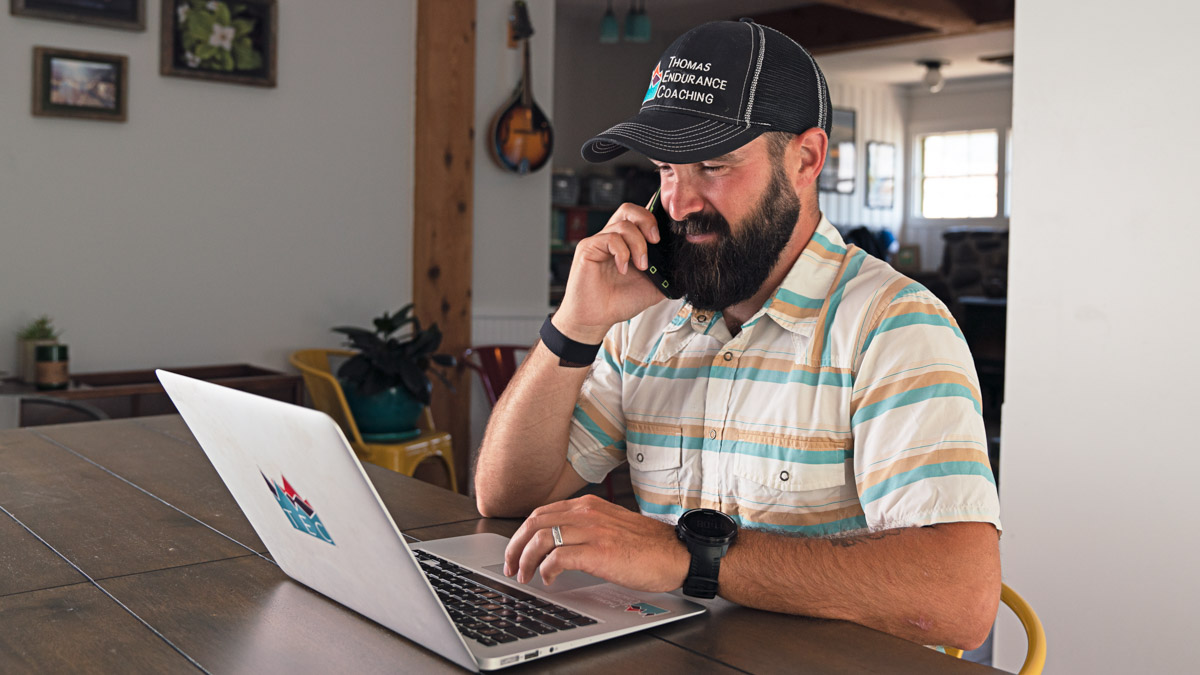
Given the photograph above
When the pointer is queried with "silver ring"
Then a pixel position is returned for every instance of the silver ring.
(557, 534)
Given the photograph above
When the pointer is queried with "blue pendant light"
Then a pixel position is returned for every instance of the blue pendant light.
(643, 25)
(631, 22)
(610, 32)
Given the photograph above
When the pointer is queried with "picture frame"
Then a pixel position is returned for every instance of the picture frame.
(230, 41)
(841, 161)
(881, 175)
(123, 14)
(85, 85)
(908, 258)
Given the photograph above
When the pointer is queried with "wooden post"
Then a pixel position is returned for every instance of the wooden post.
(442, 204)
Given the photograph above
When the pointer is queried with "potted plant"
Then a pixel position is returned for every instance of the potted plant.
(40, 331)
(387, 383)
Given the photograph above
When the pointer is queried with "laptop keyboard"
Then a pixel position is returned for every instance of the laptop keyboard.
(491, 612)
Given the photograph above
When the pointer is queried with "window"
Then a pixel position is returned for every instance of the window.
(959, 174)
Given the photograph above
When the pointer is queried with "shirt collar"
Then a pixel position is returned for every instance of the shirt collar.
(797, 303)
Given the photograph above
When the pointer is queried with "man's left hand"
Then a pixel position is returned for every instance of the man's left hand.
(601, 539)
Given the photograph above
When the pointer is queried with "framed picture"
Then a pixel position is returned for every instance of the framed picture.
(90, 85)
(908, 258)
(840, 160)
(881, 175)
(127, 14)
(220, 41)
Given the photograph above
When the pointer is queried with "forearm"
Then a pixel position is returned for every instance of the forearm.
(522, 461)
(931, 585)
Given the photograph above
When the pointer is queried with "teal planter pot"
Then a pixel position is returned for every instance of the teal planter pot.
(387, 417)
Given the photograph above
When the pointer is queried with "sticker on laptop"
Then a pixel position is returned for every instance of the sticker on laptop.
(615, 599)
(645, 609)
(299, 512)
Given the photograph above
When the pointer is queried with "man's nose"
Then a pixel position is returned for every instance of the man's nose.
(682, 199)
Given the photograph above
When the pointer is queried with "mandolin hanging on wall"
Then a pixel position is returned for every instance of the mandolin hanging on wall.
(521, 139)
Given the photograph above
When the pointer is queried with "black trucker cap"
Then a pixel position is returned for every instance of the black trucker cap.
(716, 88)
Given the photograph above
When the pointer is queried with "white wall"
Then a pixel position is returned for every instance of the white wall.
(511, 291)
(221, 223)
(1099, 458)
(879, 116)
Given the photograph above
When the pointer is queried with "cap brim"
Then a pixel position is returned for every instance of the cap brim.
(670, 137)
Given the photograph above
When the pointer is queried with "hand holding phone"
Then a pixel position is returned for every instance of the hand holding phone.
(659, 255)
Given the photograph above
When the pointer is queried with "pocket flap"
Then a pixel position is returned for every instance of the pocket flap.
(654, 447)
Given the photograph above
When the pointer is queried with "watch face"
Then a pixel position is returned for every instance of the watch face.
(709, 523)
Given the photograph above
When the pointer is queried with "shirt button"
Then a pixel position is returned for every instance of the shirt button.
(640, 457)
(701, 318)
(783, 475)
(712, 433)
(728, 356)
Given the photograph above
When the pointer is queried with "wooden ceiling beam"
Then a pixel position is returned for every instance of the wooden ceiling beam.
(945, 16)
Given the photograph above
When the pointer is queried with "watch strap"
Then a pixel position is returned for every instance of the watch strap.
(701, 581)
(570, 353)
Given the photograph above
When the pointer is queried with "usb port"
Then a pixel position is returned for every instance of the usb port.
(531, 655)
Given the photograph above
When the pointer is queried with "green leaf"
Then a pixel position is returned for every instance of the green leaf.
(205, 51)
(199, 24)
(243, 26)
(225, 60)
(222, 14)
(244, 55)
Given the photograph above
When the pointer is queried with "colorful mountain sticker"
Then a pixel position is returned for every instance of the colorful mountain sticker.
(299, 512)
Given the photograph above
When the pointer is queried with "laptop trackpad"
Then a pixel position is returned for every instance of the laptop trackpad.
(567, 581)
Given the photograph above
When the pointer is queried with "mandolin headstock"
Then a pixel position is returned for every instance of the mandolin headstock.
(519, 25)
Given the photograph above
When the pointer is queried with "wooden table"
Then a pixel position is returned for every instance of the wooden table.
(122, 551)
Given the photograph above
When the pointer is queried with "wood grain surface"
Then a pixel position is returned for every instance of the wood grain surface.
(78, 629)
(135, 504)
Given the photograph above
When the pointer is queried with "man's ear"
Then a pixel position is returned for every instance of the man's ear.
(808, 150)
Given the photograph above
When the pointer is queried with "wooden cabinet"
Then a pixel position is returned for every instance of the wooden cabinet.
(135, 393)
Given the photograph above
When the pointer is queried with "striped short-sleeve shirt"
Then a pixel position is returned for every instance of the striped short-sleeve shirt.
(848, 402)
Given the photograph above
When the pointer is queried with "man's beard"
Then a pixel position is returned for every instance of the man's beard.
(732, 268)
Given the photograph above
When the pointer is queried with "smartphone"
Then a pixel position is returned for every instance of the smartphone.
(659, 255)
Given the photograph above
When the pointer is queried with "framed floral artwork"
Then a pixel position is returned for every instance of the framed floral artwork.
(89, 85)
(219, 40)
(127, 14)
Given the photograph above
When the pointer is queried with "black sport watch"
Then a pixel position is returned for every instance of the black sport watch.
(707, 535)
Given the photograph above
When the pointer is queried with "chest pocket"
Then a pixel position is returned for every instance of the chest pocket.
(804, 494)
(655, 454)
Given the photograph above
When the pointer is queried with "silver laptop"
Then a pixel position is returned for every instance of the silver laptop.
(303, 490)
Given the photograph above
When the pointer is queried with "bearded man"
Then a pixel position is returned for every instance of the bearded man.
(803, 427)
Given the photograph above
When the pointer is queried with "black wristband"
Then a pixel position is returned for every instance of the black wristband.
(570, 353)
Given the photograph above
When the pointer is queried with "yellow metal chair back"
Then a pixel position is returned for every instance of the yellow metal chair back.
(327, 396)
(1035, 635)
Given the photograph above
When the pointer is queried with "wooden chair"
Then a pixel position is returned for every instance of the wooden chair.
(1035, 635)
(496, 365)
(327, 396)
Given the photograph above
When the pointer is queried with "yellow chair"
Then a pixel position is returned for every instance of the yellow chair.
(1035, 635)
(327, 397)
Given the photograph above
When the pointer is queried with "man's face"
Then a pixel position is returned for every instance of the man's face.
(719, 264)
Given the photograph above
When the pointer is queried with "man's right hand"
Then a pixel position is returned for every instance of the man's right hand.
(606, 285)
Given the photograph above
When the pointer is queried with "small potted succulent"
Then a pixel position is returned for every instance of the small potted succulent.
(387, 383)
(40, 331)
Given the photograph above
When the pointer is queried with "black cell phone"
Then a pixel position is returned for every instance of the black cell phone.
(659, 255)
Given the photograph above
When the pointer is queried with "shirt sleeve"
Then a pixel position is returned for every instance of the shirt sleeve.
(920, 448)
(597, 440)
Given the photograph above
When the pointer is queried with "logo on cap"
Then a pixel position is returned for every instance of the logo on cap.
(655, 80)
